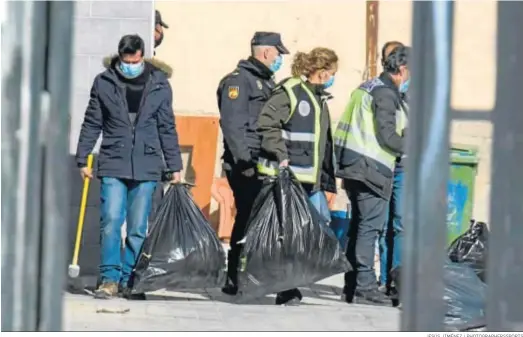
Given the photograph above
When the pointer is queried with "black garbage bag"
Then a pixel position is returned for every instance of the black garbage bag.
(288, 244)
(182, 251)
(464, 296)
(470, 248)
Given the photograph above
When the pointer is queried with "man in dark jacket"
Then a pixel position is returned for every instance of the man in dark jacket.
(131, 105)
(241, 96)
(391, 237)
(368, 139)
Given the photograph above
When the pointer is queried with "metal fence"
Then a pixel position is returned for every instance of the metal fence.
(428, 170)
(36, 71)
(36, 75)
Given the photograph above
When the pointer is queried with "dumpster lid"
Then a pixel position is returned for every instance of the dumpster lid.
(464, 154)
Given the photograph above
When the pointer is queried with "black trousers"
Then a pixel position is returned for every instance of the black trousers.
(369, 212)
(245, 190)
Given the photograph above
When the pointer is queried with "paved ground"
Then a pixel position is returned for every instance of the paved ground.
(210, 310)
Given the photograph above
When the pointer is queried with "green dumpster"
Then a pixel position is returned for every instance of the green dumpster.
(460, 190)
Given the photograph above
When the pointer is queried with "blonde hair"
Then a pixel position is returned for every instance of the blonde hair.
(306, 64)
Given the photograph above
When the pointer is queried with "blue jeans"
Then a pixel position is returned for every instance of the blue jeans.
(391, 238)
(122, 200)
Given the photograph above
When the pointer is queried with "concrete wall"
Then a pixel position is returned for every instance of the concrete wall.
(206, 39)
(473, 83)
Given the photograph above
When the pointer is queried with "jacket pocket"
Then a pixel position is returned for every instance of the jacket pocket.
(151, 149)
(375, 176)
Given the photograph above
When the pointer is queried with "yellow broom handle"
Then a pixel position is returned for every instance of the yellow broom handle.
(81, 216)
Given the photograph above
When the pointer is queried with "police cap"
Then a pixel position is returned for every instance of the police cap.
(158, 19)
(269, 39)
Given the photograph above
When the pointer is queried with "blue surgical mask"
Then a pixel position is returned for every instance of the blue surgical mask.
(404, 87)
(131, 70)
(329, 83)
(276, 64)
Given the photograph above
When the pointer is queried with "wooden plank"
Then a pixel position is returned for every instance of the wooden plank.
(198, 135)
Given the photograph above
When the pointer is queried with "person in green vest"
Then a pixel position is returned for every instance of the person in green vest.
(295, 128)
(369, 137)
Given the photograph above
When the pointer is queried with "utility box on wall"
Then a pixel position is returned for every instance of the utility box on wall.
(98, 27)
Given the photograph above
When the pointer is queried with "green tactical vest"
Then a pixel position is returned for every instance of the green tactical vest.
(300, 131)
(356, 130)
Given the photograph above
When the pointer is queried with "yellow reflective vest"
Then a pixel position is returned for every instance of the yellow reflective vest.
(356, 130)
(301, 132)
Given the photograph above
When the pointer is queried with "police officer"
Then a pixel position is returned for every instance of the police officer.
(241, 96)
(368, 139)
(296, 133)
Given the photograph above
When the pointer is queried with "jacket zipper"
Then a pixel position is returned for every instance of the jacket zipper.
(146, 91)
(121, 91)
(132, 125)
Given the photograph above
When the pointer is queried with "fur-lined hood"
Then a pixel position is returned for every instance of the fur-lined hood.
(157, 64)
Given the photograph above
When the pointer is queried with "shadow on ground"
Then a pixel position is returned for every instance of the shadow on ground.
(86, 286)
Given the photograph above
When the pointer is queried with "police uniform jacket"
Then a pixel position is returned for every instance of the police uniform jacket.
(241, 96)
(390, 128)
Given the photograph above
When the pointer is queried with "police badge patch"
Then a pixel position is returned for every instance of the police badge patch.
(234, 92)
(304, 108)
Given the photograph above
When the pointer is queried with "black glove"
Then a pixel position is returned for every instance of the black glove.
(167, 176)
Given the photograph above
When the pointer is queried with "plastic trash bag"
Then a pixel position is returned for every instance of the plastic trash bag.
(340, 226)
(182, 251)
(464, 296)
(288, 244)
(470, 248)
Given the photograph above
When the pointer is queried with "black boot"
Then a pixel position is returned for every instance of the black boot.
(231, 284)
(230, 288)
(289, 297)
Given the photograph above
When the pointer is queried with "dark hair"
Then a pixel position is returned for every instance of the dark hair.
(131, 44)
(397, 58)
(386, 47)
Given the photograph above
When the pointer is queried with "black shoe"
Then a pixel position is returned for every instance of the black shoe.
(347, 294)
(230, 288)
(371, 297)
(126, 292)
(289, 297)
